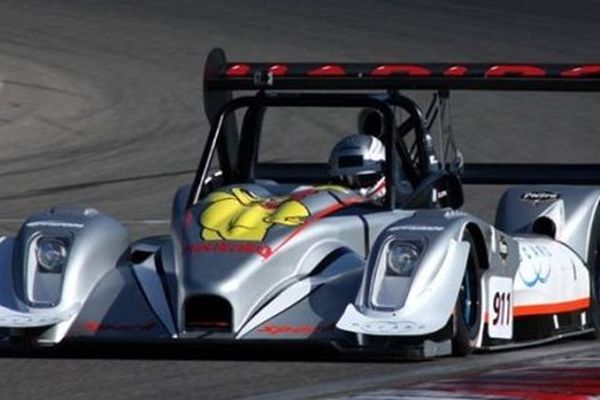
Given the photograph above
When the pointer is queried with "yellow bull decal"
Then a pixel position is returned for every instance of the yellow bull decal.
(241, 215)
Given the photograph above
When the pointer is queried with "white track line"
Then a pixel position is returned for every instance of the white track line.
(126, 222)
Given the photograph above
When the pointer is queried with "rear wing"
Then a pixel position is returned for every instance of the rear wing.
(221, 78)
(240, 75)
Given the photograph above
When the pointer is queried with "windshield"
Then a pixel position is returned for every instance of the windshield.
(288, 138)
(305, 134)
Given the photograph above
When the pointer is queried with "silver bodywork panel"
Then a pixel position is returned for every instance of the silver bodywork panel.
(263, 250)
(320, 275)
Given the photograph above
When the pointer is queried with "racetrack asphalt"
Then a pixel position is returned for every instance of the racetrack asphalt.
(102, 105)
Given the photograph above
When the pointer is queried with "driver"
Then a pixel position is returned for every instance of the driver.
(357, 161)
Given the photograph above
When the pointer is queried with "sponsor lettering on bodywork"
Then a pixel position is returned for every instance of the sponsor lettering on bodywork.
(95, 326)
(418, 228)
(390, 326)
(539, 196)
(237, 221)
(535, 266)
(295, 329)
(262, 250)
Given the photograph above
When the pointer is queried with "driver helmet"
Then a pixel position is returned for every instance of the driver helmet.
(357, 161)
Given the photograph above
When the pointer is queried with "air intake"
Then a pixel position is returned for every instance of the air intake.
(207, 313)
(544, 226)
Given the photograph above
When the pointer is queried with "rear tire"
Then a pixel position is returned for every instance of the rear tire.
(467, 311)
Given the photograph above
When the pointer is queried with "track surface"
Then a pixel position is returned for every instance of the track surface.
(574, 376)
(100, 104)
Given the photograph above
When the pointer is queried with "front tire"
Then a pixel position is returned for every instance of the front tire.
(467, 311)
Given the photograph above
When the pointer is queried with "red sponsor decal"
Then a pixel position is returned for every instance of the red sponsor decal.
(238, 70)
(95, 326)
(262, 250)
(278, 69)
(583, 71)
(293, 329)
(327, 70)
(456, 70)
(410, 70)
(515, 70)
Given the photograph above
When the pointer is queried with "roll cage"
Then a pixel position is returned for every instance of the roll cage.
(238, 160)
(433, 173)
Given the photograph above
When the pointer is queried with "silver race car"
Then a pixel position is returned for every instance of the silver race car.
(367, 251)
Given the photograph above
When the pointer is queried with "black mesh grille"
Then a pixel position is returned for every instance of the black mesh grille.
(207, 313)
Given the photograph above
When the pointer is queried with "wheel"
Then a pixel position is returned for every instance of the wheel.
(593, 263)
(467, 311)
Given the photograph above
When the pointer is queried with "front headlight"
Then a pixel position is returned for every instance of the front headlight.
(51, 254)
(402, 257)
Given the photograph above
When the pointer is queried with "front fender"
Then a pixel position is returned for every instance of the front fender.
(424, 311)
(12, 314)
(31, 297)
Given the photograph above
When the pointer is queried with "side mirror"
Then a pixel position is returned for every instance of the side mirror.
(370, 122)
(447, 188)
(450, 191)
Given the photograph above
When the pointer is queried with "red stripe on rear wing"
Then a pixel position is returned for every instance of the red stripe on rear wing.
(452, 76)
(390, 75)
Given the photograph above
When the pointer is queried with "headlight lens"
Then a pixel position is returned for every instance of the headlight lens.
(51, 254)
(402, 258)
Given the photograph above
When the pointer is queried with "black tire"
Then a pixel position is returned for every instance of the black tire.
(467, 311)
(593, 263)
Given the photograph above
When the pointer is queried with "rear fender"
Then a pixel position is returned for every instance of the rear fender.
(571, 209)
